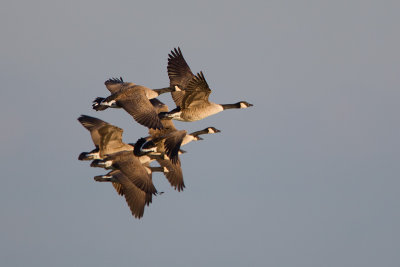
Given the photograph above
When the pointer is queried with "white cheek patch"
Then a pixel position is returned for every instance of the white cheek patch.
(177, 88)
(211, 130)
(165, 170)
(108, 164)
(176, 116)
(112, 103)
(153, 149)
(94, 155)
(243, 105)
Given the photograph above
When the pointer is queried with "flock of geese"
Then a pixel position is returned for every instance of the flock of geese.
(129, 164)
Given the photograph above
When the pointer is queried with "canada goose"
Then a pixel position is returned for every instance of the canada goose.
(195, 105)
(131, 167)
(134, 99)
(192, 101)
(136, 198)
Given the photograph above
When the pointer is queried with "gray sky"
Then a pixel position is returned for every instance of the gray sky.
(307, 177)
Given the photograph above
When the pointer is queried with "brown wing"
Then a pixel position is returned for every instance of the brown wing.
(116, 84)
(131, 167)
(174, 174)
(179, 74)
(135, 102)
(111, 140)
(118, 188)
(197, 92)
(92, 125)
(168, 125)
(178, 96)
(135, 198)
(172, 145)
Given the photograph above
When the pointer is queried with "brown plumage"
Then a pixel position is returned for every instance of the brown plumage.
(92, 125)
(131, 167)
(168, 141)
(179, 74)
(111, 140)
(136, 198)
(192, 102)
(106, 137)
(134, 99)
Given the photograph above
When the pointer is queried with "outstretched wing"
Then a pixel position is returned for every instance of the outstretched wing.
(116, 84)
(111, 140)
(135, 198)
(179, 74)
(92, 125)
(196, 92)
(174, 174)
(131, 167)
(136, 103)
(172, 145)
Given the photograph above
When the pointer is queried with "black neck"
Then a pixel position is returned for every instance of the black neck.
(197, 133)
(229, 106)
(163, 90)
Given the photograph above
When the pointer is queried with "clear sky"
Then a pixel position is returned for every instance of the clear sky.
(309, 176)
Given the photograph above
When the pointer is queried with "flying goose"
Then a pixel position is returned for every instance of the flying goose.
(195, 104)
(130, 166)
(134, 99)
(192, 101)
(136, 198)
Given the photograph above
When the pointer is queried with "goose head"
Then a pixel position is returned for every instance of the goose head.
(211, 130)
(244, 104)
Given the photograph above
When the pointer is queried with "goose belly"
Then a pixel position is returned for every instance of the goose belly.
(199, 113)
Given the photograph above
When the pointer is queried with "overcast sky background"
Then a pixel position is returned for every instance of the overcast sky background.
(309, 176)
